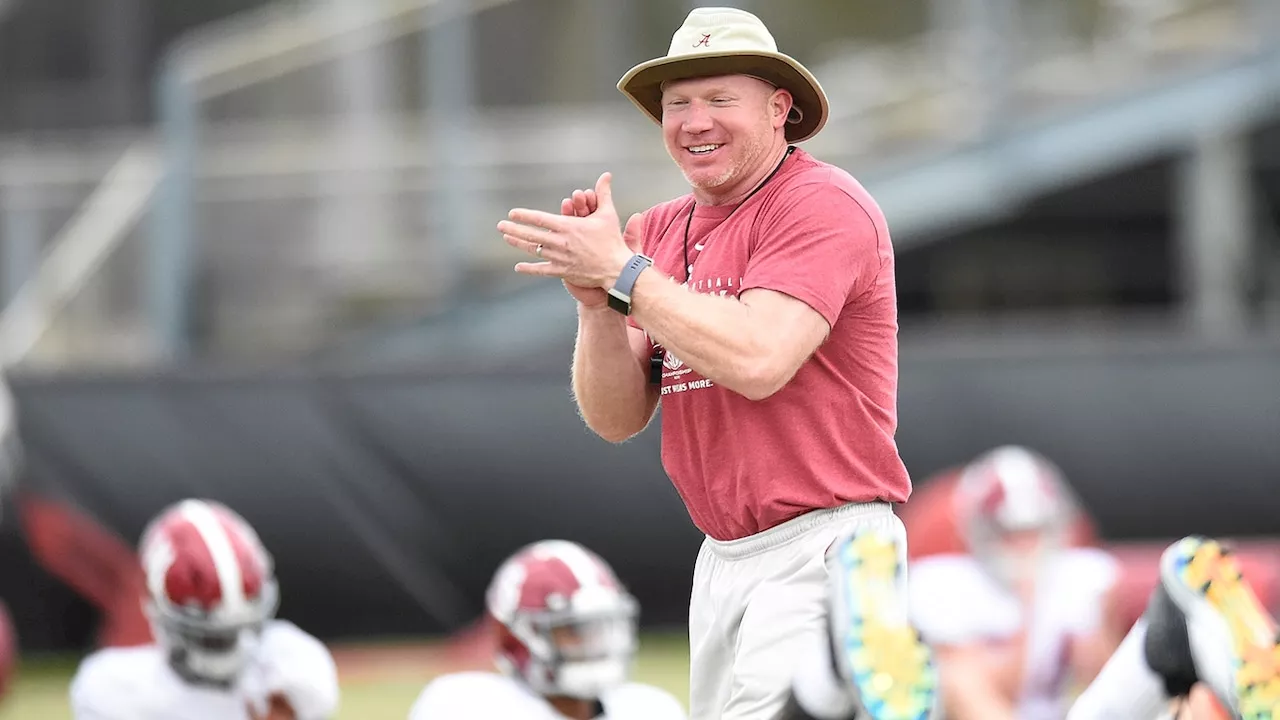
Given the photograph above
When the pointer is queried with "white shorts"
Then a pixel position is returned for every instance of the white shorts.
(759, 606)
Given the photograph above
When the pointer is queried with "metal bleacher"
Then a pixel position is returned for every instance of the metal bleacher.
(953, 127)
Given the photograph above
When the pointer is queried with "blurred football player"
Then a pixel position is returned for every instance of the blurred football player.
(566, 635)
(1204, 637)
(220, 653)
(1020, 616)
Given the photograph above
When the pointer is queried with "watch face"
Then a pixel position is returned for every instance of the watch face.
(618, 304)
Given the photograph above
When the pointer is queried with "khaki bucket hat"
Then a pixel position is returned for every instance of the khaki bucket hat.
(727, 41)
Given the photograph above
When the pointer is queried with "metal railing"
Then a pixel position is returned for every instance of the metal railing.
(240, 240)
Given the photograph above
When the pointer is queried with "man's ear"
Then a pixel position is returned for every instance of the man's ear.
(780, 104)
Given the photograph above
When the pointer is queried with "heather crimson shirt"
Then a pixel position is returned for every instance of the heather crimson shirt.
(827, 437)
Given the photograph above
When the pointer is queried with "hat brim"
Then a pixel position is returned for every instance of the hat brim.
(643, 83)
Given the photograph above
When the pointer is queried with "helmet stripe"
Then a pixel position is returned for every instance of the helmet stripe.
(585, 568)
(215, 537)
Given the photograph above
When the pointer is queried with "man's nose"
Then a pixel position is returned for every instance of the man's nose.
(698, 119)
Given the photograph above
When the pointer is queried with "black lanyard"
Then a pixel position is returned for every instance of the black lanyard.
(688, 223)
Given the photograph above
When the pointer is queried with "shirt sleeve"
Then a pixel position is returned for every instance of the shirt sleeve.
(467, 695)
(98, 692)
(818, 245)
(1091, 573)
(302, 669)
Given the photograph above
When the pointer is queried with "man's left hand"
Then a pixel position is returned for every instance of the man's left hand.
(586, 251)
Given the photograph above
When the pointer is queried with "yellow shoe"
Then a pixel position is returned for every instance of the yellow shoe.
(877, 652)
(1231, 639)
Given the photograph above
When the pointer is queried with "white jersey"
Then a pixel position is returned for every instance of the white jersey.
(137, 683)
(954, 601)
(464, 696)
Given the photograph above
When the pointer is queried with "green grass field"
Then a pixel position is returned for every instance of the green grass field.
(39, 691)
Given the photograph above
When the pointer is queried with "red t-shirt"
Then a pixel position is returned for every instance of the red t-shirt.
(827, 437)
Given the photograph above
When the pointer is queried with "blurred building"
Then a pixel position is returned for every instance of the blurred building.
(236, 181)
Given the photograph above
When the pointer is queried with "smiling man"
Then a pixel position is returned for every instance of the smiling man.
(760, 310)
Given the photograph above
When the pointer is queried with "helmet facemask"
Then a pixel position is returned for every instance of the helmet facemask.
(1015, 557)
(566, 626)
(212, 647)
(1018, 511)
(579, 653)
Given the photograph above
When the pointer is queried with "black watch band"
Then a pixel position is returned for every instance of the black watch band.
(620, 294)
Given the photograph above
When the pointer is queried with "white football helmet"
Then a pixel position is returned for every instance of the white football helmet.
(1013, 493)
(211, 588)
(567, 627)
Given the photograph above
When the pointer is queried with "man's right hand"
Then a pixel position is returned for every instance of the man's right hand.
(582, 204)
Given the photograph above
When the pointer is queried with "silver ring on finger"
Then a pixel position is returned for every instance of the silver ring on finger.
(538, 250)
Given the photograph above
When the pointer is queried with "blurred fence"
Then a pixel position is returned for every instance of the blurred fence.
(328, 165)
(389, 497)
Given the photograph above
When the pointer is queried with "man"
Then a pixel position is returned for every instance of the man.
(1020, 617)
(1204, 629)
(220, 655)
(566, 633)
(760, 308)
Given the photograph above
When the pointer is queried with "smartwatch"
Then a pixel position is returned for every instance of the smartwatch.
(620, 294)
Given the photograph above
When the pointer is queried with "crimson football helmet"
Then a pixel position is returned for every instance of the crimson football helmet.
(1015, 509)
(566, 625)
(211, 587)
